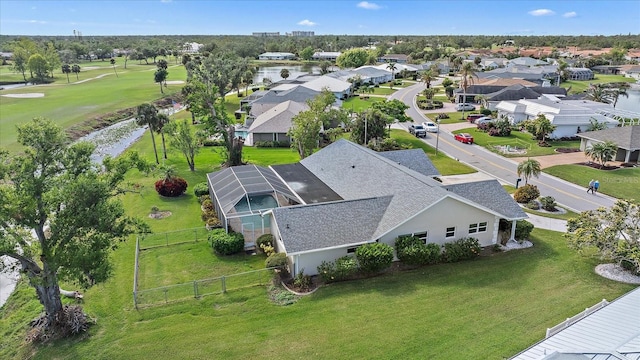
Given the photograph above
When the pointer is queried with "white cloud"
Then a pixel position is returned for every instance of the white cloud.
(542, 12)
(570, 14)
(166, 1)
(37, 22)
(369, 6)
(306, 22)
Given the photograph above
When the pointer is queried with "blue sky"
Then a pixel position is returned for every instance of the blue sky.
(338, 17)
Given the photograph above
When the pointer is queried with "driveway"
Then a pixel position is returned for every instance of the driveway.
(567, 194)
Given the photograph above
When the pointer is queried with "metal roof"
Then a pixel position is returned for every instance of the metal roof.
(233, 184)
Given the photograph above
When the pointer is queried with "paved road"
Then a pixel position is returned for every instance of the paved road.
(567, 194)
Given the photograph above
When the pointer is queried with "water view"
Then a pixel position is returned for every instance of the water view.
(632, 103)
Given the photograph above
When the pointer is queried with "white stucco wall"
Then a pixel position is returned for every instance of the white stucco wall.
(309, 262)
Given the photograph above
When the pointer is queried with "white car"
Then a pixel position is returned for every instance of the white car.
(465, 107)
(430, 127)
(483, 120)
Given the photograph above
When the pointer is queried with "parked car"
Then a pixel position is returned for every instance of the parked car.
(484, 120)
(417, 130)
(473, 117)
(465, 107)
(464, 138)
(430, 126)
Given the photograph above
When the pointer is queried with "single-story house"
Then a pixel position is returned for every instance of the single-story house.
(570, 117)
(346, 195)
(274, 97)
(326, 55)
(525, 60)
(373, 75)
(579, 74)
(273, 124)
(394, 58)
(341, 89)
(276, 56)
(631, 71)
(627, 138)
(607, 330)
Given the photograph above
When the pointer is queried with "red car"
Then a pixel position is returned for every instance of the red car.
(464, 138)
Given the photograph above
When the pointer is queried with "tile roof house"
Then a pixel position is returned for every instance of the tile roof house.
(604, 331)
(348, 195)
(627, 138)
(273, 124)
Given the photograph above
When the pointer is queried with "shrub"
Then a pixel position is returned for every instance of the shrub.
(548, 203)
(411, 250)
(386, 144)
(374, 257)
(266, 239)
(276, 260)
(207, 205)
(485, 112)
(171, 187)
(226, 244)
(203, 198)
(302, 281)
(443, 116)
(201, 189)
(533, 205)
(212, 142)
(523, 229)
(342, 269)
(526, 193)
(208, 214)
(501, 127)
(461, 249)
(267, 249)
(213, 222)
(271, 144)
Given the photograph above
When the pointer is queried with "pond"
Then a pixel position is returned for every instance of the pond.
(631, 103)
(273, 71)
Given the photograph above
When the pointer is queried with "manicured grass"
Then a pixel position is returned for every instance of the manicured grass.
(356, 104)
(69, 104)
(580, 86)
(517, 139)
(444, 164)
(566, 216)
(491, 307)
(385, 90)
(621, 183)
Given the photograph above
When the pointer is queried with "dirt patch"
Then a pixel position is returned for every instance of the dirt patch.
(24, 96)
(160, 215)
(175, 82)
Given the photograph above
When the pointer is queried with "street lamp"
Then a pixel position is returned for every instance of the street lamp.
(437, 135)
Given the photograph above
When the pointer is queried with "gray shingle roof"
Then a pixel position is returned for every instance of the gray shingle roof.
(414, 159)
(513, 92)
(278, 118)
(355, 172)
(489, 194)
(626, 137)
(612, 332)
(333, 224)
(298, 94)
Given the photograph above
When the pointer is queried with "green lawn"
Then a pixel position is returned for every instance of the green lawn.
(489, 308)
(518, 139)
(580, 86)
(356, 104)
(621, 183)
(385, 90)
(70, 104)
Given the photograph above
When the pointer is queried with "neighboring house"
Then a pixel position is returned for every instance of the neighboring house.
(579, 74)
(326, 55)
(627, 138)
(537, 74)
(606, 69)
(341, 89)
(370, 74)
(273, 97)
(394, 58)
(604, 331)
(276, 56)
(518, 92)
(526, 61)
(273, 124)
(569, 116)
(631, 71)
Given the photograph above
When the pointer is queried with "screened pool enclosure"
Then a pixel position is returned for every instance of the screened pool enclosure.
(242, 194)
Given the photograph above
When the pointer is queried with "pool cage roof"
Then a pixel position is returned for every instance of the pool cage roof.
(231, 185)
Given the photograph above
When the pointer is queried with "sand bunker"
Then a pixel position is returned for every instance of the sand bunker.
(175, 82)
(25, 96)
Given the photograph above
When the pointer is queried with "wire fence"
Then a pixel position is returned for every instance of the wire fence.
(149, 241)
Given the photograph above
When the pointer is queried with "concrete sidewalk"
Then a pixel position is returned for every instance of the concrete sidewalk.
(546, 223)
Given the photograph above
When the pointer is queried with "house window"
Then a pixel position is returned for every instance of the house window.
(451, 232)
(352, 250)
(422, 236)
(478, 227)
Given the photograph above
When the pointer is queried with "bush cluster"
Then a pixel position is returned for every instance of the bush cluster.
(201, 189)
(272, 144)
(413, 251)
(526, 193)
(212, 142)
(386, 144)
(429, 104)
(276, 260)
(461, 249)
(374, 257)
(209, 215)
(302, 281)
(548, 203)
(485, 112)
(171, 187)
(443, 116)
(224, 243)
(523, 230)
(264, 239)
(342, 269)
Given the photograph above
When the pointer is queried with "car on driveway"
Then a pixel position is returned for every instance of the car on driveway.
(417, 130)
(464, 138)
(473, 117)
(484, 120)
(465, 107)
(430, 126)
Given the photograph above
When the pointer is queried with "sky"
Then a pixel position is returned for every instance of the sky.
(337, 17)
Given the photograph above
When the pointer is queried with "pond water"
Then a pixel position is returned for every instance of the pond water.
(273, 72)
(632, 103)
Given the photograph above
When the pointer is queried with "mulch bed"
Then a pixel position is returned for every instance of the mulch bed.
(598, 166)
(567, 150)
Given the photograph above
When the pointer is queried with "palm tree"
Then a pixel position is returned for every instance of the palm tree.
(620, 89)
(529, 168)
(427, 77)
(147, 114)
(163, 120)
(284, 73)
(392, 67)
(66, 69)
(160, 76)
(599, 93)
(113, 63)
(247, 78)
(75, 68)
(467, 77)
(602, 152)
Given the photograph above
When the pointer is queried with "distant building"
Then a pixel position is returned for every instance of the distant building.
(302, 33)
(276, 56)
(191, 47)
(394, 58)
(266, 34)
(579, 74)
(326, 55)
